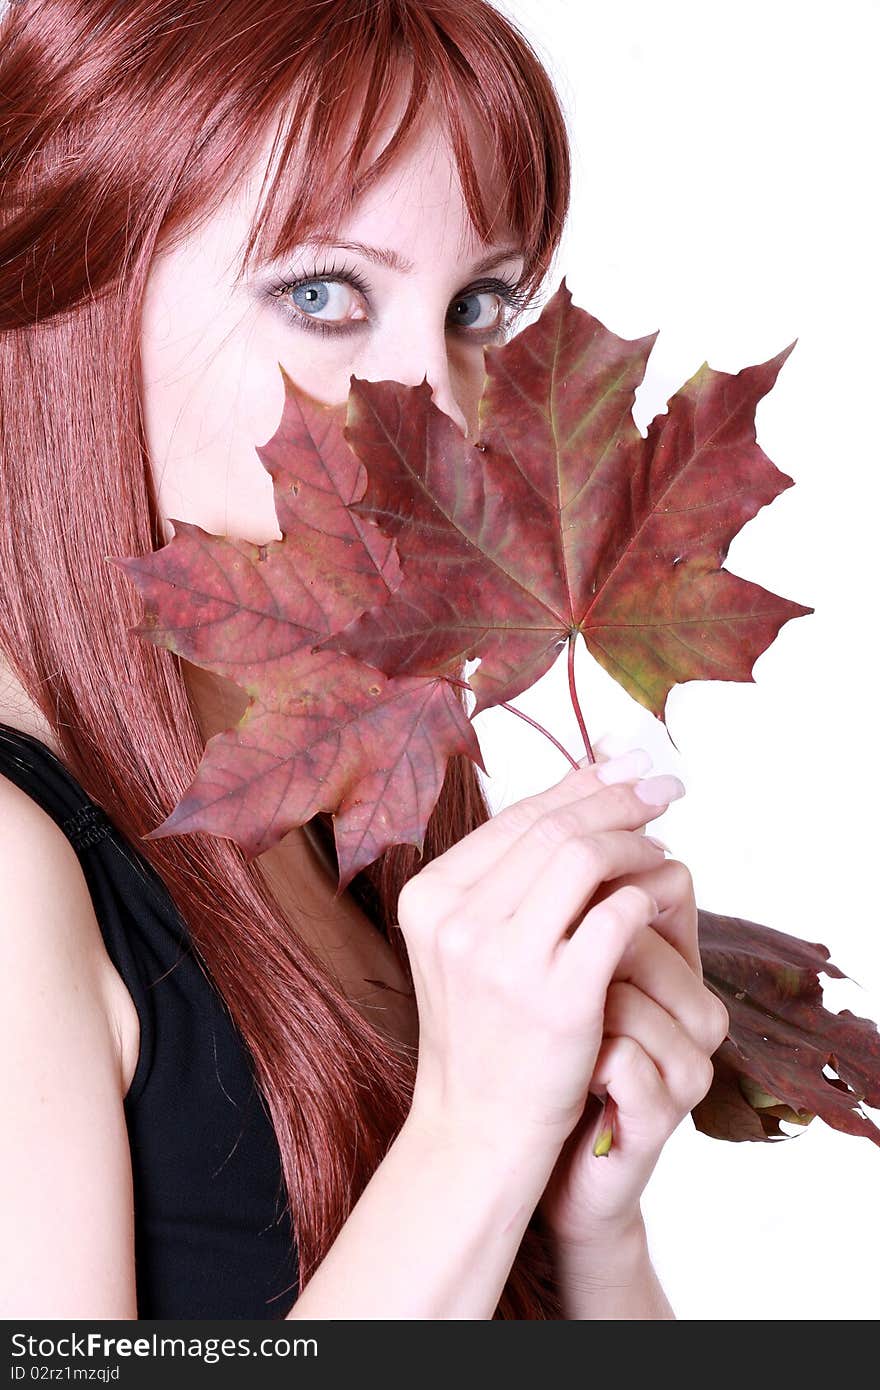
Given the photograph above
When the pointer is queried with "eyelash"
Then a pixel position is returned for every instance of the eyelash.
(513, 298)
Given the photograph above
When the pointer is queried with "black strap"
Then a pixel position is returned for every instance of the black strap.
(87, 826)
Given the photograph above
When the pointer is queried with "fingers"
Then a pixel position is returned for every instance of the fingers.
(599, 806)
(626, 1072)
(677, 922)
(547, 878)
(584, 965)
(659, 971)
(683, 1065)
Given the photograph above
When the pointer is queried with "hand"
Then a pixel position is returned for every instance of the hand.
(511, 971)
(661, 1027)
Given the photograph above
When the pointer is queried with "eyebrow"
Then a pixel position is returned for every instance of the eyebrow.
(381, 255)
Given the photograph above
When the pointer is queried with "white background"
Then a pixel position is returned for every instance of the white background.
(725, 193)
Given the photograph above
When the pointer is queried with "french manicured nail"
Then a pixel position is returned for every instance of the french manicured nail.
(628, 766)
(661, 844)
(656, 791)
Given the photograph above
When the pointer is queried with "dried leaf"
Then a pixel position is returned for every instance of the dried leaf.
(781, 1037)
(562, 518)
(322, 732)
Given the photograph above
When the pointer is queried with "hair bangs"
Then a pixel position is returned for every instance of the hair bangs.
(452, 71)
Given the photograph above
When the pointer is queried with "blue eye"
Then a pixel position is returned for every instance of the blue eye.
(313, 297)
(335, 300)
(465, 311)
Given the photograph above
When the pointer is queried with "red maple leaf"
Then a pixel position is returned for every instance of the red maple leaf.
(323, 731)
(562, 519)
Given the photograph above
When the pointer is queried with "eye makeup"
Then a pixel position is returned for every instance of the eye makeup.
(513, 300)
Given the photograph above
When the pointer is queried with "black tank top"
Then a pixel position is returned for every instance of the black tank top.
(211, 1238)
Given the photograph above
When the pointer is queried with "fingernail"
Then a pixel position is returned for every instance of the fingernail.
(656, 791)
(609, 746)
(661, 844)
(629, 765)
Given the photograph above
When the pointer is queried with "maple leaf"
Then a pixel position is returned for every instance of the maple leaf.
(771, 1066)
(562, 519)
(322, 731)
(407, 550)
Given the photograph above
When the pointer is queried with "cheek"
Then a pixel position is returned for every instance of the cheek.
(250, 395)
(209, 398)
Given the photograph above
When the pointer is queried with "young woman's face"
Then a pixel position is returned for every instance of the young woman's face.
(211, 385)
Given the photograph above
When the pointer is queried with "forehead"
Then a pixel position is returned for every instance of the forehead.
(417, 197)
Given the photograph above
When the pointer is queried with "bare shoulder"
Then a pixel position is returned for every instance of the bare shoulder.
(66, 1185)
(47, 908)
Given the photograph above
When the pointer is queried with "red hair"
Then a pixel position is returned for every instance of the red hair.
(122, 124)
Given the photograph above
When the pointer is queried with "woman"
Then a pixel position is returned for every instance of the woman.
(160, 254)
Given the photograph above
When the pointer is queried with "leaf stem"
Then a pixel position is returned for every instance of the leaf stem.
(572, 638)
(503, 704)
(605, 1133)
(604, 1141)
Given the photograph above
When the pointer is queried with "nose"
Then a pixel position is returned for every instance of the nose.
(443, 395)
(414, 356)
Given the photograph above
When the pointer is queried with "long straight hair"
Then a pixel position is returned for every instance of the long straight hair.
(124, 123)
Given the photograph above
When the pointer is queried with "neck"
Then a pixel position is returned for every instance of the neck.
(19, 711)
(218, 704)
